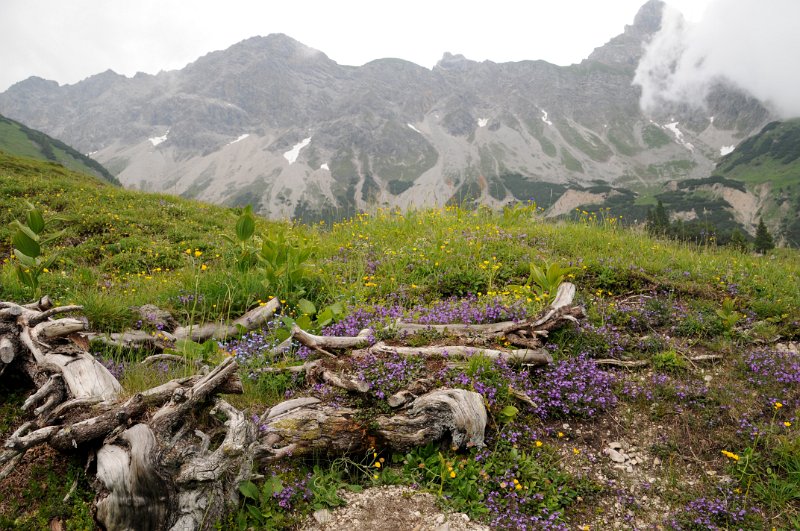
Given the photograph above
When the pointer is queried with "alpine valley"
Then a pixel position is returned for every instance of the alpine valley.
(273, 123)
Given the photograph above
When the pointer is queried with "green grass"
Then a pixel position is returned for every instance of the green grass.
(652, 300)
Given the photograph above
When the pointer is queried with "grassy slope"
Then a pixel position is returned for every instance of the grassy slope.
(646, 299)
(17, 139)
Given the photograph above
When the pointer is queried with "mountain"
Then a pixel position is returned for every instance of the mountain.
(274, 123)
(17, 139)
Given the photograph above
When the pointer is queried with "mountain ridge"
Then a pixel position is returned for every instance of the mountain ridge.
(388, 133)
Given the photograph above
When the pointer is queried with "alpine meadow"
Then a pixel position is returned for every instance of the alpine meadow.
(281, 293)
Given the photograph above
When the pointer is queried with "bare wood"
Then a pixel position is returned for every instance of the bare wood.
(55, 384)
(47, 314)
(135, 339)
(321, 343)
(348, 384)
(58, 328)
(10, 313)
(519, 395)
(309, 426)
(253, 319)
(528, 356)
(7, 350)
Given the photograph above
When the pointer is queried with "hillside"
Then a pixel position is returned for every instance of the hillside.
(274, 123)
(672, 402)
(21, 141)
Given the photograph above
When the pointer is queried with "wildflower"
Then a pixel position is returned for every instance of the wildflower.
(778, 405)
(730, 455)
(787, 424)
(538, 444)
(377, 464)
(576, 451)
(375, 476)
(452, 474)
(203, 267)
(560, 434)
(198, 253)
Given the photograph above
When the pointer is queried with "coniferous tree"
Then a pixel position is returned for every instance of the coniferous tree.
(763, 241)
(738, 241)
(658, 220)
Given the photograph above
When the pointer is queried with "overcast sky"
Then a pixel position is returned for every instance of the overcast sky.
(69, 40)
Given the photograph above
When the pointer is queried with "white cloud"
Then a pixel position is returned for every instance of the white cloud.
(749, 43)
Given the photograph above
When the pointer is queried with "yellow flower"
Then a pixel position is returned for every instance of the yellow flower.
(576, 451)
(778, 405)
(560, 434)
(188, 251)
(377, 464)
(538, 444)
(518, 486)
(787, 424)
(375, 476)
(452, 474)
(203, 267)
(198, 253)
(730, 455)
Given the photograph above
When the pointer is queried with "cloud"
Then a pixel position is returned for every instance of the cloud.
(752, 44)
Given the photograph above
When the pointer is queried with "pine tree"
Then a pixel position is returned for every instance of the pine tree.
(763, 242)
(658, 220)
(738, 241)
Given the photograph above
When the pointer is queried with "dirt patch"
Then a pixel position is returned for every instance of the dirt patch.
(389, 509)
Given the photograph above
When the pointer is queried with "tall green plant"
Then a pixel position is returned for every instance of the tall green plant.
(545, 281)
(286, 266)
(27, 242)
(245, 230)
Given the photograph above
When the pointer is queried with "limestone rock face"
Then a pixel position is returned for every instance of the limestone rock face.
(276, 124)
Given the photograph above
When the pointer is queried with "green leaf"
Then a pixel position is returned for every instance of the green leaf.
(24, 259)
(508, 413)
(35, 219)
(246, 224)
(249, 490)
(304, 322)
(306, 307)
(272, 486)
(26, 242)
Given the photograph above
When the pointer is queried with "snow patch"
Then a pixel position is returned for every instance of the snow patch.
(679, 135)
(156, 140)
(724, 150)
(325, 167)
(414, 128)
(293, 153)
(544, 118)
(482, 122)
(241, 137)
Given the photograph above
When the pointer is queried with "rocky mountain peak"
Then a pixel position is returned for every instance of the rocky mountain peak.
(626, 49)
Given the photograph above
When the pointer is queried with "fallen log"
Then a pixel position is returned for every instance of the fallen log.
(527, 356)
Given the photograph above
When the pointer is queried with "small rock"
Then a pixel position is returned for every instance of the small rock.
(614, 455)
(417, 514)
(465, 517)
(444, 527)
(323, 516)
(615, 445)
(628, 469)
(707, 378)
(439, 519)
(656, 461)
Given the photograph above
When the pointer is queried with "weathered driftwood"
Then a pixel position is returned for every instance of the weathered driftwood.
(635, 364)
(308, 426)
(527, 356)
(156, 467)
(252, 320)
(528, 334)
